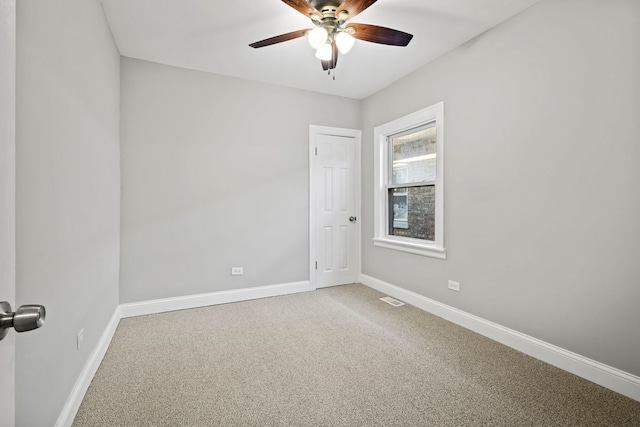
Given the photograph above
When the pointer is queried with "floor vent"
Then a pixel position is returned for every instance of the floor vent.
(394, 302)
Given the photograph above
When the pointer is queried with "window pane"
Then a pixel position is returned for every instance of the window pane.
(414, 157)
(412, 212)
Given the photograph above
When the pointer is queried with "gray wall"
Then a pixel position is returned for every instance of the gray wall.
(215, 175)
(7, 199)
(541, 188)
(68, 194)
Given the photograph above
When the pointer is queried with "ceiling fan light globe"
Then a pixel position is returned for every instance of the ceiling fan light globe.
(317, 37)
(324, 52)
(345, 42)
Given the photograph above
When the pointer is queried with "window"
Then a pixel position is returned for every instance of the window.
(409, 183)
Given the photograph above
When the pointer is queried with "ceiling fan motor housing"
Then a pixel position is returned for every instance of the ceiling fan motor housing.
(319, 4)
(328, 8)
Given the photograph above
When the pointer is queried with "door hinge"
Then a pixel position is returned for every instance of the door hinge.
(316, 151)
(316, 265)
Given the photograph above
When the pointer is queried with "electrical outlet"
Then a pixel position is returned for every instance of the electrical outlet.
(236, 271)
(454, 286)
(80, 338)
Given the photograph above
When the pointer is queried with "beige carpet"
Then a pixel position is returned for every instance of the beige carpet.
(333, 357)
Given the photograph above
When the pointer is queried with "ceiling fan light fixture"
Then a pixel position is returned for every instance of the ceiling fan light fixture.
(318, 37)
(332, 35)
(344, 41)
(324, 52)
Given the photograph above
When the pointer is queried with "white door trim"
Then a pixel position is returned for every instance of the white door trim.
(315, 130)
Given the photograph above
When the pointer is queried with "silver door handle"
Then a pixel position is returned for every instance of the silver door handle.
(352, 218)
(25, 318)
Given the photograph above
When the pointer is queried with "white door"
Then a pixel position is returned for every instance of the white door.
(334, 189)
(7, 203)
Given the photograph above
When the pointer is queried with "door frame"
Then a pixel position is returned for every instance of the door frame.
(314, 131)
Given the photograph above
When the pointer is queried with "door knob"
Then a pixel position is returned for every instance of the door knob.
(352, 218)
(25, 318)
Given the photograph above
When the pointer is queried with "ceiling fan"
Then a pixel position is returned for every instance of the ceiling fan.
(331, 33)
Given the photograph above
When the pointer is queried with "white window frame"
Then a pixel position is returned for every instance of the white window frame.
(382, 133)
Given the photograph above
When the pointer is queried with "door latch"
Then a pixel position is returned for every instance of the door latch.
(26, 318)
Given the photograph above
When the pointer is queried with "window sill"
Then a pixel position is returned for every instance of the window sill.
(412, 248)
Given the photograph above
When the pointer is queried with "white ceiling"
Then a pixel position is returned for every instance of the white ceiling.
(213, 36)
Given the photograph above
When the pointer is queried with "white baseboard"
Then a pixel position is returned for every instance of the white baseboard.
(599, 373)
(86, 375)
(160, 306)
(213, 298)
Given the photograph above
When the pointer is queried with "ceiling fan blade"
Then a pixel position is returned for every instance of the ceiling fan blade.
(334, 55)
(354, 7)
(382, 35)
(281, 38)
(303, 7)
(333, 62)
